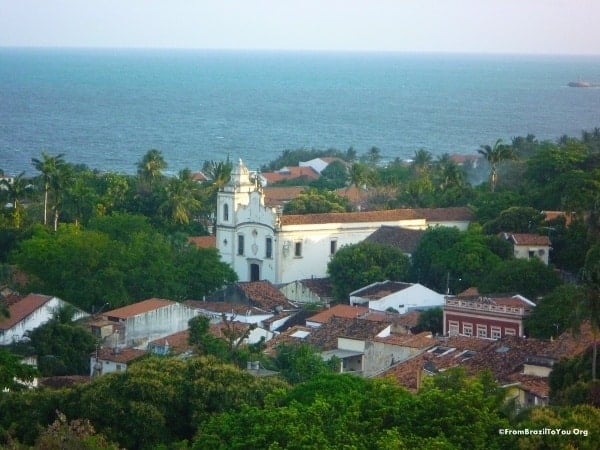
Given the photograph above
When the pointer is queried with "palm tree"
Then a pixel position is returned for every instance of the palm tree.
(16, 190)
(150, 167)
(588, 309)
(494, 156)
(448, 174)
(48, 166)
(60, 181)
(421, 161)
(182, 197)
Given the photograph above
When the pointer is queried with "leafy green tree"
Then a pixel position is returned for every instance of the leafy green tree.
(516, 219)
(583, 417)
(313, 201)
(360, 175)
(551, 315)
(12, 369)
(431, 320)
(421, 162)
(62, 348)
(301, 362)
(494, 156)
(334, 176)
(74, 435)
(528, 277)
(588, 308)
(448, 259)
(355, 266)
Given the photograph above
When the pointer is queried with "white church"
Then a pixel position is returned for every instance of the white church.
(260, 243)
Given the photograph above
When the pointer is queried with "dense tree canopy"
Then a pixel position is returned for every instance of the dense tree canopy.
(355, 266)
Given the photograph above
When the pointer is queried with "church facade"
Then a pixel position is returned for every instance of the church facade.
(260, 243)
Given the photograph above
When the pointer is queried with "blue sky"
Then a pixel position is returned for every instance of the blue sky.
(478, 26)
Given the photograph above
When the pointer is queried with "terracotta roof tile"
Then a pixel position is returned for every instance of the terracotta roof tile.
(381, 289)
(178, 342)
(320, 286)
(291, 173)
(529, 239)
(538, 386)
(456, 213)
(122, 355)
(278, 195)
(421, 340)
(264, 294)
(325, 337)
(404, 239)
(21, 308)
(225, 307)
(346, 311)
(203, 241)
(138, 308)
(349, 217)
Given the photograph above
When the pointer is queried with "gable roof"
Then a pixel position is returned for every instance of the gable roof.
(350, 217)
(380, 289)
(19, 309)
(225, 307)
(138, 308)
(527, 239)
(263, 294)
(404, 239)
(290, 173)
(345, 311)
(453, 214)
(320, 286)
(203, 241)
(119, 355)
(278, 195)
(325, 337)
(178, 342)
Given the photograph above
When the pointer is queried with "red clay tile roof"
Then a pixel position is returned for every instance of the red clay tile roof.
(138, 308)
(404, 239)
(346, 311)
(350, 217)
(59, 382)
(203, 241)
(199, 176)
(22, 308)
(421, 340)
(278, 195)
(290, 173)
(178, 342)
(320, 286)
(456, 213)
(325, 337)
(529, 239)
(263, 294)
(538, 386)
(123, 355)
(381, 289)
(225, 307)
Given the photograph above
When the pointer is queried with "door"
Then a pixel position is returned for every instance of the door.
(254, 272)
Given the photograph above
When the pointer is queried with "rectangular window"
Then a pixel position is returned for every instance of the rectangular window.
(118, 367)
(240, 244)
(332, 247)
(510, 332)
(482, 331)
(453, 328)
(468, 329)
(496, 333)
(269, 248)
(298, 249)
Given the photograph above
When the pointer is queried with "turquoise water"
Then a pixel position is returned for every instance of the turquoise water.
(106, 108)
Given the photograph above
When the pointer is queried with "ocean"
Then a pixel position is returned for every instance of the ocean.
(106, 108)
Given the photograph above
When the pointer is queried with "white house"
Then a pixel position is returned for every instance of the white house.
(28, 313)
(148, 320)
(260, 243)
(402, 297)
(110, 360)
(528, 246)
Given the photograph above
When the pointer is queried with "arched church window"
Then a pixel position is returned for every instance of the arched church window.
(225, 212)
